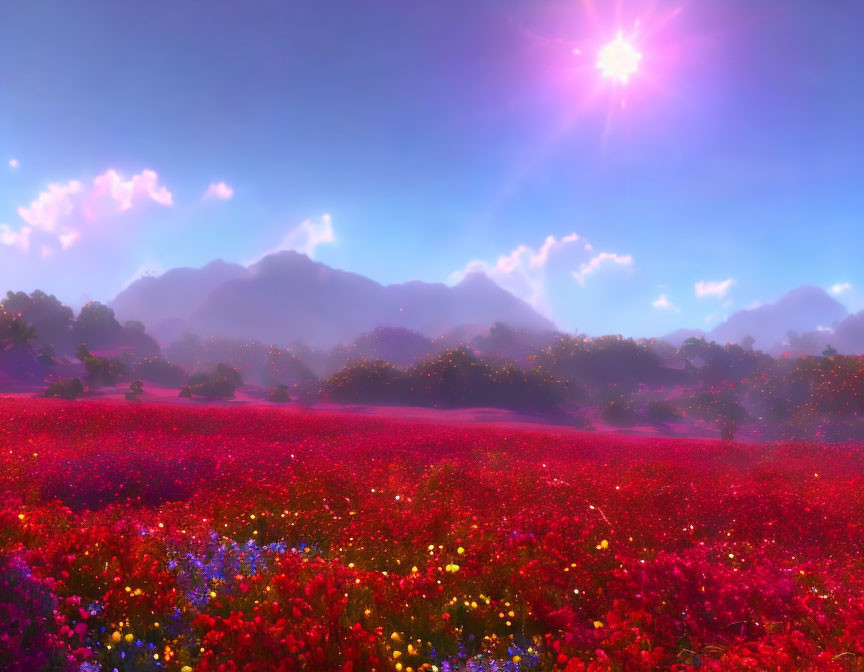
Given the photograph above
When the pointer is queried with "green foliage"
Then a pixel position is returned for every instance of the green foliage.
(660, 412)
(221, 382)
(284, 366)
(368, 381)
(160, 370)
(584, 366)
(67, 388)
(101, 370)
(279, 394)
(134, 325)
(619, 412)
(51, 320)
(136, 388)
(97, 325)
(455, 378)
(14, 331)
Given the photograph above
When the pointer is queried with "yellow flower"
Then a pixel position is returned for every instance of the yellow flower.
(598, 624)
(116, 636)
(129, 637)
(460, 550)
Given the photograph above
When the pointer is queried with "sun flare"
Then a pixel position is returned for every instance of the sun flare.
(618, 60)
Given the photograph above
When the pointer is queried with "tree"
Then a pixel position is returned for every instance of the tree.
(279, 394)
(661, 412)
(101, 370)
(51, 320)
(160, 370)
(393, 344)
(134, 325)
(67, 388)
(829, 351)
(97, 326)
(368, 381)
(136, 388)
(619, 412)
(222, 382)
(14, 331)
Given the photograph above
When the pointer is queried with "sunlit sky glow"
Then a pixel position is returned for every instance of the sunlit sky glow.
(442, 137)
(618, 60)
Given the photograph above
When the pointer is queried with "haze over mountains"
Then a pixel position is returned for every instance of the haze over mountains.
(286, 296)
(803, 321)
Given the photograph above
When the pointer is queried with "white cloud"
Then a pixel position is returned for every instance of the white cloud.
(525, 271)
(59, 212)
(52, 205)
(663, 303)
(308, 236)
(13, 163)
(597, 262)
(13, 238)
(219, 191)
(144, 186)
(840, 288)
(717, 289)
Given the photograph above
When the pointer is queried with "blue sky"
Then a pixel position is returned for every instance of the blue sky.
(439, 137)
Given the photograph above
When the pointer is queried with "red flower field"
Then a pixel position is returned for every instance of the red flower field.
(151, 537)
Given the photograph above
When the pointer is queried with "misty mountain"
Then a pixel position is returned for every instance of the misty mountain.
(286, 296)
(805, 312)
(846, 336)
(174, 295)
(803, 309)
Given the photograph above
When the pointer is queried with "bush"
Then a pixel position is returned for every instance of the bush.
(279, 394)
(66, 388)
(161, 371)
(136, 388)
(368, 381)
(660, 412)
(101, 370)
(222, 382)
(619, 413)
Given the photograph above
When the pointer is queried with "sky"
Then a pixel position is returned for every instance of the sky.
(424, 140)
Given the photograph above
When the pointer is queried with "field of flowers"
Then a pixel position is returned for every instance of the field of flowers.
(159, 537)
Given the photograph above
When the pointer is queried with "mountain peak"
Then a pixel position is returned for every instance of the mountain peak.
(287, 296)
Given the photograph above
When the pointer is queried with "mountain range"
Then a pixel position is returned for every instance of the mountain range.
(286, 296)
(802, 321)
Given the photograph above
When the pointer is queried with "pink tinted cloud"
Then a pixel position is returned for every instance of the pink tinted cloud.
(52, 205)
(59, 213)
(219, 191)
(111, 187)
(15, 238)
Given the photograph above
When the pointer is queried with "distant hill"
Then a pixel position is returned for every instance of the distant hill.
(286, 296)
(803, 309)
(775, 327)
(678, 336)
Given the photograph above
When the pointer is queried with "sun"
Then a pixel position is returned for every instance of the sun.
(618, 60)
